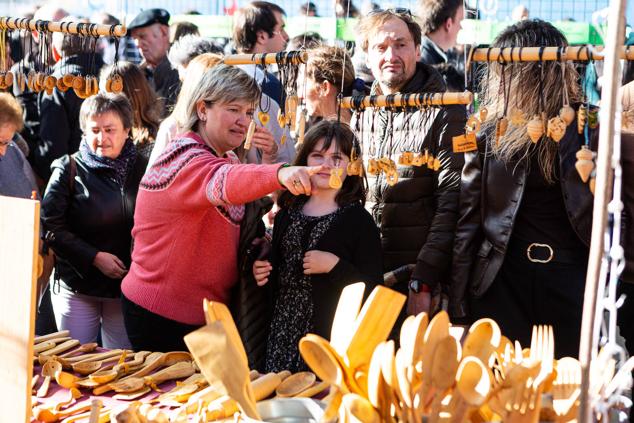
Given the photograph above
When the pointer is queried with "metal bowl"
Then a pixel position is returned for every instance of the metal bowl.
(291, 410)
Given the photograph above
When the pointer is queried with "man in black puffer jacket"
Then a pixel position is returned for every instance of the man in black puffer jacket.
(417, 215)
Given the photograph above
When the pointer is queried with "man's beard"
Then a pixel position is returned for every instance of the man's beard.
(393, 81)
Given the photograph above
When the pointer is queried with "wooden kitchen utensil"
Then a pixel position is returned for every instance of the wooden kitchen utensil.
(445, 366)
(359, 409)
(373, 325)
(59, 334)
(347, 311)
(295, 384)
(473, 386)
(219, 359)
(48, 371)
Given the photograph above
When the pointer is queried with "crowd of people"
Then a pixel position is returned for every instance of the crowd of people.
(151, 201)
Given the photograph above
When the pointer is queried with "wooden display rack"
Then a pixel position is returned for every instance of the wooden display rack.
(407, 100)
(19, 241)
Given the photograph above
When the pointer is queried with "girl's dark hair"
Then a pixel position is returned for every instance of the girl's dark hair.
(330, 130)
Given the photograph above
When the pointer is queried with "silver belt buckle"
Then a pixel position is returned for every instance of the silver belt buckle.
(534, 260)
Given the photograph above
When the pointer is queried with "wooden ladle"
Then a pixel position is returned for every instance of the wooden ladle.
(483, 340)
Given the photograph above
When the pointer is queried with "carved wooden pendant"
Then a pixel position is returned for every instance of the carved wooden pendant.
(406, 158)
(535, 128)
(483, 114)
(473, 124)
(556, 128)
(335, 181)
(567, 113)
(517, 117)
(373, 167)
(250, 132)
(281, 119)
(418, 160)
(301, 127)
(581, 119)
(391, 177)
(355, 167)
(264, 118)
(584, 164)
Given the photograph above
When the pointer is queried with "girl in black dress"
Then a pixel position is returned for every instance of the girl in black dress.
(321, 243)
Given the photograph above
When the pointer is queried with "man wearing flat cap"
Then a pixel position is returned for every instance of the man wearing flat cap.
(150, 30)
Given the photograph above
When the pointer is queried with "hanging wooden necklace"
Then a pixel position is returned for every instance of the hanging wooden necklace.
(385, 163)
(535, 127)
(556, 127)
(355, 166)
(566, 113)
(502, 123)
(373, 165)
(6, 77)
(406, 155)
(585, 156)
(516, 116)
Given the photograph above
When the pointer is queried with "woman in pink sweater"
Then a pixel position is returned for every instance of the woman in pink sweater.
(188, 213)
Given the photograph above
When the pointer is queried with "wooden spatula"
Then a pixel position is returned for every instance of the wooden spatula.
(219, 359)
(373, 325)
(347, 311)
(215, 311)
(437, 330)
(443, 376)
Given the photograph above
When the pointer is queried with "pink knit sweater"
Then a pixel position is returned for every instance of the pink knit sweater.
(186, 228)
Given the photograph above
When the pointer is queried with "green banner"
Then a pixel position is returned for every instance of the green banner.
(473, 31)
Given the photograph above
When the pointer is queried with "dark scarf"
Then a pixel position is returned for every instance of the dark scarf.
(119, 166)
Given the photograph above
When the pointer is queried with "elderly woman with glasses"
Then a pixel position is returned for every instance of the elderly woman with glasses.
(88, 212)
(190, 208)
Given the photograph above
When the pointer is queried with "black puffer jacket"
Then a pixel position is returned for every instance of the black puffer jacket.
(417, 216)
(490, 198)
(97, 216)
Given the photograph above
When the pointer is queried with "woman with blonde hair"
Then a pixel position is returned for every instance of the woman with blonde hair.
(319, 82)
(521, 246)
(146, 107)
(190, 208)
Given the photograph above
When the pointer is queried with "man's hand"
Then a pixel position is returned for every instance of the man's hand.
(417, 302)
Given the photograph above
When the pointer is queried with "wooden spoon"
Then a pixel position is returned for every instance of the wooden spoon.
(473, 386)
(265, 385)
(359, 409)
(50, 415)
(218, 358)
(43, 346)
(176, 371)
(89, 347)
(437, 330)
(91, 365)
(48, 371)
(327, 364)
(73, 395)
(109, 374)
(152, 362)
(64, 346)
(347, 311)
(445, 365)
(53, 335)
(295, 384)
(483, 340)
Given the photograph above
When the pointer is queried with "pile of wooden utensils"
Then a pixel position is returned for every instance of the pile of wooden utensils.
(487, 378)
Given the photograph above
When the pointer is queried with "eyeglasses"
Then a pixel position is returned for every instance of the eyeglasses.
(394, 10)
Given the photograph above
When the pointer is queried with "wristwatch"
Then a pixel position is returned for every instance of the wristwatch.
(418, 286)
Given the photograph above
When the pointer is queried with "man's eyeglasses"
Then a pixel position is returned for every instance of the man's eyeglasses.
(395, 10)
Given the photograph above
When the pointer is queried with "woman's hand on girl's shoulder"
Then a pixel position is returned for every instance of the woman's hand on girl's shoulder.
(261, 271)
(316, 262)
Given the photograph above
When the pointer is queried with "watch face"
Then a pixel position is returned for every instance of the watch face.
(414, 286)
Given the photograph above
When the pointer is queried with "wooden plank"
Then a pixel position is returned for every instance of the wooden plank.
(19, 241)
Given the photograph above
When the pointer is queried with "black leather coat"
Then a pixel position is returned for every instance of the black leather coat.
(490, 196)
(98, 216)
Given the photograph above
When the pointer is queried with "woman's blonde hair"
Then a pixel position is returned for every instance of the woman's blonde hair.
(146, 106)
(219, 85)
(525, 95)
(10, 111)
(332, 64)
(193, 74)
